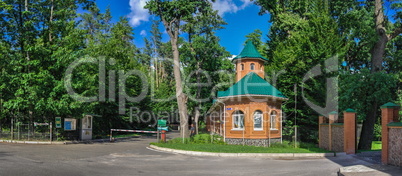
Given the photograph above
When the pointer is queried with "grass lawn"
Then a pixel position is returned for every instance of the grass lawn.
(376, 145)
(219, 148)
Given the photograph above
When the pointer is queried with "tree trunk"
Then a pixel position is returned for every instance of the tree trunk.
(196, 118)
(378, 50)
(377, 54)
(51, 20)
(367, 133)
(197, 109)
(181, 97)
(26, 5)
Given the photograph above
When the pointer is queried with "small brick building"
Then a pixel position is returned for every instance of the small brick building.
(249, 112)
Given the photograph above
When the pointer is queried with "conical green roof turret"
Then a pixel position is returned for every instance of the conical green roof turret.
(249, 51)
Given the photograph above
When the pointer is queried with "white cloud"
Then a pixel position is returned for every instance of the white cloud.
(138, 13)
(143, 33)
(228, 6)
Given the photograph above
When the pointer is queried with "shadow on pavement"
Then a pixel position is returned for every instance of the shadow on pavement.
(364, 163)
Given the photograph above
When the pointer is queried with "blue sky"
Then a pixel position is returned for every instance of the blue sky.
(241, 15)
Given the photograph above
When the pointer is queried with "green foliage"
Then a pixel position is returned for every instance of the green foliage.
(302, 35)
(360, 89)
(305, 33)
(377, 132)
(199, 139)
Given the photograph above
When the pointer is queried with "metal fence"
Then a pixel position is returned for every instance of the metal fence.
(27, 132)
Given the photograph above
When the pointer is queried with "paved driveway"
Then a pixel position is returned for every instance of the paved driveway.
(131, 157)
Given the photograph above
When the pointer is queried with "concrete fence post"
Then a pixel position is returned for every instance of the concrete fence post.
(389, 113)
(349, 131)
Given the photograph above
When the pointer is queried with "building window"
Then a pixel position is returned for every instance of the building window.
(238, 120)
(273, 121)
(258, 120)
(242, 66)
(252, 66)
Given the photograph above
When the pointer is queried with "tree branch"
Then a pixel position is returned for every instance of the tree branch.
(394, 34)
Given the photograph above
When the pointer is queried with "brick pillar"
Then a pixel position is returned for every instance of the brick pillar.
(389, 112)
(320, 121)
(349, 131)
(333, 116)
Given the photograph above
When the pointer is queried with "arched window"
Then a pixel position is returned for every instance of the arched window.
(252, 66)
(273, 120)
(258, 120)
(242, 66)
(238, 120)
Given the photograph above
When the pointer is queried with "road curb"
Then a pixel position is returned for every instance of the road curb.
(64, 142)
(32, 142)
(264, 155)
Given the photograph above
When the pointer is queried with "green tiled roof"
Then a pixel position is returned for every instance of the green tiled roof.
(395, 124)
(390, 105)
(249, 51)
(251, 84)
(350, 110)
(333, 112)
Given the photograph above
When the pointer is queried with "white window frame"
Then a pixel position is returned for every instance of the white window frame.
(239, 115)
(261, 120)
(242, 67)
(273, 121)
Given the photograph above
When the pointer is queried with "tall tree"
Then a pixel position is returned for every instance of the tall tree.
(372, 34)
(202, 57)
(365, 32)
(302, 35)
(36, 32)
(172, 14)
(256, 38)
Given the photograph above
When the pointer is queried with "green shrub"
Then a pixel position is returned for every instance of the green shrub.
(284, 144)
(179, 141)
(307, 145)
(201, 139)
(218, 139)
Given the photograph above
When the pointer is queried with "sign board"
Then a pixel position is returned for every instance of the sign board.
(162, 123)
(228, 109)
(58, 122)
(70, 124)
(40, 124)
(163, 128)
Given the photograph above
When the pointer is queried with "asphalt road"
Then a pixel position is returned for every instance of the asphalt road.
(132, 157)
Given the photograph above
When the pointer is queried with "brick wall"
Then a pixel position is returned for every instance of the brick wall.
(335, 136)
(391, 134)
(395, 146)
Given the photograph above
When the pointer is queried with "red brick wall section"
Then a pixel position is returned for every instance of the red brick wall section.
(391, 152)
(338, 137)
(259, 68)
(350, 132)
(386, 117)
(248, 107)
